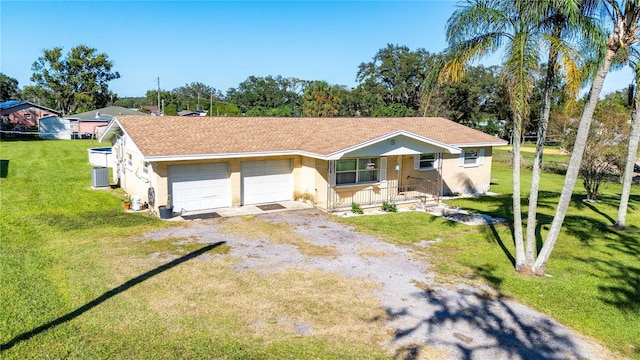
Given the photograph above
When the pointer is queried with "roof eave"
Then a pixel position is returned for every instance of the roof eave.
(111, 130)
(33, 105)
(338, 154)
(497, 143)
(164, 158)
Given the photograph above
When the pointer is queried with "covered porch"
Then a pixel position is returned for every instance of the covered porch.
(419, 191)
(401, 175)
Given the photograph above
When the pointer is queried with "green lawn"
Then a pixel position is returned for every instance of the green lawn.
(77, 282)
(593, 282)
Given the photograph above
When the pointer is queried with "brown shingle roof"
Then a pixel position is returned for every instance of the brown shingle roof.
(179, 136)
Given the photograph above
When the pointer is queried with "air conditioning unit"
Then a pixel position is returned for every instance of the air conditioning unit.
(99, 177)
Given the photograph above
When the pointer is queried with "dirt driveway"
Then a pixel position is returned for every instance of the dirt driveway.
(455, 322)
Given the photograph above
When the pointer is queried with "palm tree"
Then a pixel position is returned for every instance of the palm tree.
(321, 100)
(624, 33)
(634, 137)
(566, 21)
(486, 26)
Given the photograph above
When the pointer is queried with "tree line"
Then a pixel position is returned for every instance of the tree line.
(392, 84)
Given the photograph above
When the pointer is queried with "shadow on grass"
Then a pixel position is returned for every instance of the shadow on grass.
(581, 226)
(620, 286)
(495, 235)
(475, 326)
(106, 296)
(4, 168)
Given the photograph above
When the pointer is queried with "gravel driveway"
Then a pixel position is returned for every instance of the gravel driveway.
(460, 321)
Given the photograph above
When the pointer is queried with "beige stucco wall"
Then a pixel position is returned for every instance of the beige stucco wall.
(304, 178)
(466, 180)
(410, 175)
(310, 176)
(132, 179)
(321, 173)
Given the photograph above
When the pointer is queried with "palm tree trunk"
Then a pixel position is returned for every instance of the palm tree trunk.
(634, 137)
(574, 166)
(537, 160)
(521, 265)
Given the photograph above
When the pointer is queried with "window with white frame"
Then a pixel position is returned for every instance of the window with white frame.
(471, 157)
(356, 171)
(129, 161)
(145, 168)
(426, 161)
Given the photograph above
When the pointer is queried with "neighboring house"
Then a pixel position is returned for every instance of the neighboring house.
(153, 110)
(207, 163)
(18, 115)
(54, 127)
(88, 124)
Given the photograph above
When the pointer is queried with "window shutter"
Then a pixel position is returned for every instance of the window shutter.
(416, 162)
(461, 159)
(383, 169)
(481, 157)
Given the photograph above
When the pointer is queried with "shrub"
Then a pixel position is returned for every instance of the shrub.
(356, 209)
(389, 207)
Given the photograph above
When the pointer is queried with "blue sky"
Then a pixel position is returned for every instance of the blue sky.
(222, 43)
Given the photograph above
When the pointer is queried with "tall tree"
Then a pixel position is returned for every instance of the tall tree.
(605, 148)
(197, 96)
(478, 98)
(166, 97)
(8, 88)
(632, 145)
(624, 16)
(267, 93)
(83, 75)
(481, 27)
(364, 98)
(322, 100)
(561, 23)
(38, 95)
(398, 73)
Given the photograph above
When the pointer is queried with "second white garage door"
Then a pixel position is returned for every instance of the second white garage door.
(199, 186)
(266, 181)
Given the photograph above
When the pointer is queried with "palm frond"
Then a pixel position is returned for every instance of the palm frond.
(571, 70)
(476, 18)
(519, 69)
(458, 56)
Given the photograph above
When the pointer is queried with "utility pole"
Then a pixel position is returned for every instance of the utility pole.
(158, 95)
(198, 102)
(211, 105)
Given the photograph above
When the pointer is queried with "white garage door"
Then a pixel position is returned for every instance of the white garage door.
(199, 186)
(266, 181)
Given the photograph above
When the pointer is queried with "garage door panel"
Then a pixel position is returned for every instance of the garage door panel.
(200, 186)
(266, 181)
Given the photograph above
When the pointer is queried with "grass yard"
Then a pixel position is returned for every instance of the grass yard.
(594, 272)
(78, 280)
